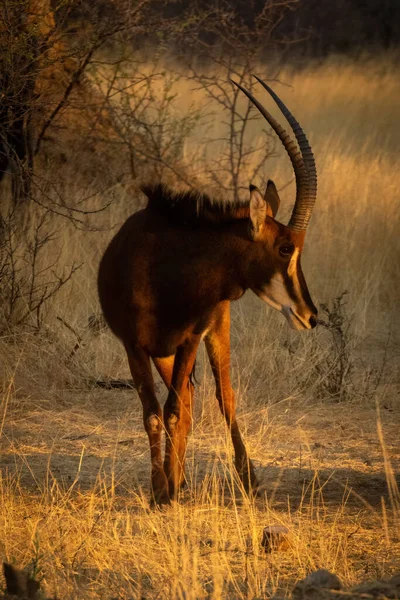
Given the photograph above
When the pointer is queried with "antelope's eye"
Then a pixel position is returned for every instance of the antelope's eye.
(286, 250)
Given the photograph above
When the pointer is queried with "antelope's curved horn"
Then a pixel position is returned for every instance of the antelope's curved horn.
(301, 212)
(303, 162)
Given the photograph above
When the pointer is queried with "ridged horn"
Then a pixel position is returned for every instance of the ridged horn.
(303, 162)
(301, 214)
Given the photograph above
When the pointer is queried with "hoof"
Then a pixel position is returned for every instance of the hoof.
(160, 494)
(173, 491)
(160, 498)
(252, 488)
(176, 487)
(258, 491)
(248, 479)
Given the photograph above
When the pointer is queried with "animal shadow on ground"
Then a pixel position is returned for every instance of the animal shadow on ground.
(85, 442)
(280, 485)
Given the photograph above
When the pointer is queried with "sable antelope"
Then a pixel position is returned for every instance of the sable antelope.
(166, 282)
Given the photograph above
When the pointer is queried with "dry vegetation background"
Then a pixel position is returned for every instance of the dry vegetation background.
(319, 410)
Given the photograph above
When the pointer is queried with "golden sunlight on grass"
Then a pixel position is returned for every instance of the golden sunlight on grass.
(73, 506)
(74, 487)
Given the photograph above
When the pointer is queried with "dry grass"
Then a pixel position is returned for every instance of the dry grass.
(75, 459)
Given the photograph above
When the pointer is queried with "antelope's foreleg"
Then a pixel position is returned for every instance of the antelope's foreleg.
(139, 363)
(218, 349)
(178, 413)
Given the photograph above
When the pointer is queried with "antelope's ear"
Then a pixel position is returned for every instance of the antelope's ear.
(272, 199)
(258, 211)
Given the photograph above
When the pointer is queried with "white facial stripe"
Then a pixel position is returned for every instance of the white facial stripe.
(292, 272)
(276, 295)
(203, 335)
(269, 301)
(293, 263)
(276, 291)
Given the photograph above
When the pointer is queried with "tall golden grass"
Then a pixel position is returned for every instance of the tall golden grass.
(75, 461)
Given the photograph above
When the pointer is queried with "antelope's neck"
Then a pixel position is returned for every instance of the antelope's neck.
(236, 256)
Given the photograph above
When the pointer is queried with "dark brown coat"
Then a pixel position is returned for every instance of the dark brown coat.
(166, 282)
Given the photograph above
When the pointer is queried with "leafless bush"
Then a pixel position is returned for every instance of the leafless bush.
(48, 103)
(148, 126)
(230, 46)
(335, 371)
(30, 270)
(329, 356)
(49, 107)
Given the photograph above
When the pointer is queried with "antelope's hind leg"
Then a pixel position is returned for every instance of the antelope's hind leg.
(165, 367)
(139, 363)
(178, 413)
(218, 350)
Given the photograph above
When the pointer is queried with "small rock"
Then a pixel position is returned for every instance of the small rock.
(275, 537)
(395, 581)
(324, 579)
(315, 583)
(381, 589)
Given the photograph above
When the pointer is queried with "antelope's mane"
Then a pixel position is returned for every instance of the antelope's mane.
(192, 207)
